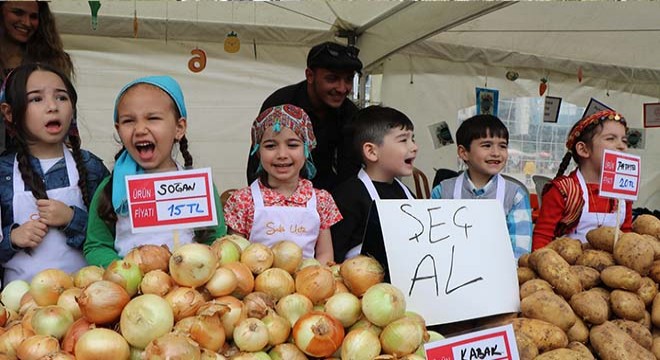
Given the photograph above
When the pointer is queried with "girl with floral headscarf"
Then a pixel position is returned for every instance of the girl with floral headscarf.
(282, 203)
(571, 205)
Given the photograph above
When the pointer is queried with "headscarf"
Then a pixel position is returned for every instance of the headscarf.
(125, 164)
(596, 118)
(295, 119)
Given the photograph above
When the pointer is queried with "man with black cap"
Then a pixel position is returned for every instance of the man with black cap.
(323, 94)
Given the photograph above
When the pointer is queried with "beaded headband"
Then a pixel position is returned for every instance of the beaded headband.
(596, 118)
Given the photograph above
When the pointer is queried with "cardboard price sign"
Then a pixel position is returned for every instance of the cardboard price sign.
(171, 200)
(492, 344)
(620, 175)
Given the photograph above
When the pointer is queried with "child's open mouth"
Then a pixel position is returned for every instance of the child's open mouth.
(409, 161)
(145, 149)
(53, 126)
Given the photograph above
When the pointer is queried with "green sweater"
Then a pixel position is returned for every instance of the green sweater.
(99, 247)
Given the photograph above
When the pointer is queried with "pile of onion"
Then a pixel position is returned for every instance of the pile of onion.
(257, 257)
(144, 319)
(287, 255)
(150, 257)
(318, 334)
(47, 286)
(101, 302)
(101, 344)
(125, 274)
(193, 264)
(360, 273)
(316, 283)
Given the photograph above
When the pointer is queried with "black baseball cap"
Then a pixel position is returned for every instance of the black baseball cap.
(331, 55)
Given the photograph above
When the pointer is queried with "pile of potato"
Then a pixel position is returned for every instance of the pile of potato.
(592, 301)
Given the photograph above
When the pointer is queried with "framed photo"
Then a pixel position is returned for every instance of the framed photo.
(551, 109)
(487, 101)
(593, 107)
(440, 134)
(651, 115)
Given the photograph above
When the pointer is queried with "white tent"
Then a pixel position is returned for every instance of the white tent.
(429, 57)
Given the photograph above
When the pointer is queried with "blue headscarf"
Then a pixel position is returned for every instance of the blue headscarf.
(125, 164)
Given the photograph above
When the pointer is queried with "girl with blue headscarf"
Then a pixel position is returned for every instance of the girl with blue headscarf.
(282, 203)
(150, 118)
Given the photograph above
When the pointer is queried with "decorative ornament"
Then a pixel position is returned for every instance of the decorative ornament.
(135, 24)
(579, 74)
(95, 6)
(232, 43)
(198, 62)
(512, 75)
(543, 86)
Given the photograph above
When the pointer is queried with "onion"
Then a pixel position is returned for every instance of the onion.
(308, 262)
(76, 330)
(344, 307)
(183, 326)
(226, 250)
(26, 320)
(150, 257)
(360, 344)
(209, 355)
(257, 304)
(12, 338)
(433, 336)
(156, 282)
(238, 240)
(235, 315)
(208, 332)
(101, 302)
(258, 257)
(286, 351)
(383, 303)
(51, 320)
(4, 316)
(243, 276)
(335, 271)
(366, 324)
(101, 344)
(87, 275)
(292, 307)
(193, 264)
(12, 293)
(37, 346)
(125, 274)
(251, 335)
(58, 355)
(360, 273)
(259, 355)
(318, 334)
(287, 255)
(144, 319)
(68, 301)
(47, 285)
(276, 282)
(27, 304)
(223, 282)
(402, 337)
(278, 328)
(171, 346)
(316, 283)
(184, 302)
(340, 287)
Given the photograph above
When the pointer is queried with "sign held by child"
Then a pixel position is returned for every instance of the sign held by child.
(620, 176)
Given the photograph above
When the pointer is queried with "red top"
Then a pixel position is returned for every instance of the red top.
(553, 205)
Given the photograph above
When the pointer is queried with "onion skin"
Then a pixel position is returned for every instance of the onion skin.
(156, 282)
(13, 292)
(193, 264)
(318, 334)
(150, 257)
(383, 303)
(46, 286)
(251, 335)
(316, 283)
(87, 275)
(125, 274)
(258, 258)
(101, 344)
(402, 337)
(292, 307)
(208, 332)
(360, 344)
(235, 315)
(275, 282)
(344, 307)
(360, 273)
(226, 250)
(286, 351)
(223, 282)
(51, 320)
(37, 346)
(287, 255)
(245, 279)
(68, 301)
(144, 319)
(101, 302)
(12, 338)
(76, 330)
(171, 346)
(184, 301)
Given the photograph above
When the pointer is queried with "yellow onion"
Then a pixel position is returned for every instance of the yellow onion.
(26, 320)
(12, 338)
(47, 285)
(144, 319)
(287, 255)
(208, 332)
(156, 282)
(278, 328)
(344, 307)
(257, 304)
(258, 257)
(58, 355)
(76, 330)
(366, 324)
(4, 316)
(226, 250)
(276, 282)
(193, 264)
(209, 355)
(433, 336)
(259, 355)
(402, 337)
(335, 271)
(316, 283)
(223, 282)
(383, 303)
(235, 315)
(101, 302)
(292, 307)
(87, 275)
(251, 335)
(244, 277)
(51, 320)
(12, 293)
(340, 287)
(172, 346)
(286, 351)
(101, 344)
(238, 240)
(37, 346)
(360, 344)
(184, 301)
(150, 257)
(360, 273)
(318, 334)
(125, 274)
(183, 326)
(308, 262)
(68, 301)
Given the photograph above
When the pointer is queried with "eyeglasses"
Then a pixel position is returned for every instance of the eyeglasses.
(336, 50)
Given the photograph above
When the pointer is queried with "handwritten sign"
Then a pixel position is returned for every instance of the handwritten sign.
(620, 175)
(451, 258)
(551, 109)
(492, 344)
(593, 107)
(171, 200)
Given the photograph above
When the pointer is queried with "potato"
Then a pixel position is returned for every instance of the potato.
(563, 354)
(578, 332)
(526, 347)
(581, 348)
(554, 269)
(596, 259)
(655, 243)
(647, 224)
(636, 331)
(602, 238)
(627, 305)
(604, 293)
(590, 307)
(523, 260)
(589, 277)
(548, 306)
(621, 277)
(569, 249)
(532, 286)
(655, 311)
(633, 251)
(646, 320)
(654, 271)
(525, 274)
(545, 335)
(647, 290)
(612, 343)
(655, 348)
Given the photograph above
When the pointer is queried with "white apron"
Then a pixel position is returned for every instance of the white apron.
(373, 193)
(53, 252)
(275, 223)
(125, 240)
(499, 193)
(588, 220)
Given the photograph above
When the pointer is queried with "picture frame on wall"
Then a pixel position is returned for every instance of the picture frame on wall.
(551, 109)
(487, 101)
(593, 107)
(651, 115)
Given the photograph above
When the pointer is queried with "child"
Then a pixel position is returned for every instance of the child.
(571, 205)
(282, 203)
(46, 185)
(483, 142)
(384, 138)
(150, 118)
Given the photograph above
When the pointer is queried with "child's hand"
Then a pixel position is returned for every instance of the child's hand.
(54, 212)
(30, 234)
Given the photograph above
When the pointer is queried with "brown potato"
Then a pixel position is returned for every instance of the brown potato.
(569, 249)
(655, 243)
(581, 348)
(563, 354)
(654, 271)
(604, 293)
(655, 311)
(647, 224)
(612, 343)
(552, 268)
(621, 277)
(596, 259)
(646, 320)
(545, 335)
(602, 238)
(523, 260)
(633, 251)
(636, 331)
(647, 290)
(590, 307)
(525, 274)
(526, 347)
(589, 277)
(548, 306)
(627, 305)
(532, 286)
(578, 332)
(655, 348)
